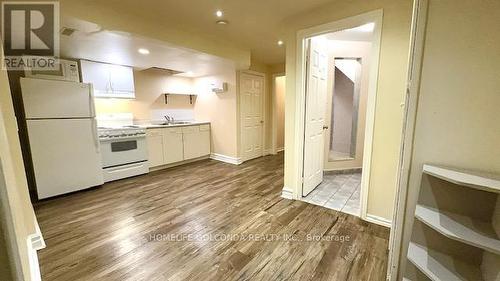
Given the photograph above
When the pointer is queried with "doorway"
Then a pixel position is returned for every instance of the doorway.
(340, 87)
(278, 113)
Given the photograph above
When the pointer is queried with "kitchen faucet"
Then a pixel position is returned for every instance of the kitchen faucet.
(169, 119)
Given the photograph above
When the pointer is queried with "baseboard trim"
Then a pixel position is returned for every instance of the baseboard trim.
(226, 159)
(343, 171)
(379, 220)
(287, 193)
(171, 165)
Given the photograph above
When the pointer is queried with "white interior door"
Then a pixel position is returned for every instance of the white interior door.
(316, 90)
(252, 119)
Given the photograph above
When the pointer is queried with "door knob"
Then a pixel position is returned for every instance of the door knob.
(325, 127)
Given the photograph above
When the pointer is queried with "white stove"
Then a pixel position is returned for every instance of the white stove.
(106, 133)
(123, 147)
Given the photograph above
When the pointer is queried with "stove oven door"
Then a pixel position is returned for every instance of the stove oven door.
(116, 152)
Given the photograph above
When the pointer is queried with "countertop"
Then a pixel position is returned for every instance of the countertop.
(155, 126)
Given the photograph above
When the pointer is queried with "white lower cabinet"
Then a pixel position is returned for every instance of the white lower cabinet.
(191, 135)
(154, 138)
(204, 140)
(172, 145)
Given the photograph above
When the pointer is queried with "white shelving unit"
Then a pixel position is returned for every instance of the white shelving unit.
(457, 226)
(460, 228)
(440, 266)
(472, 179)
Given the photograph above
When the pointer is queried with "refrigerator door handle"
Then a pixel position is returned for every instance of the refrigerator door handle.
(95, 136)
(91, 100)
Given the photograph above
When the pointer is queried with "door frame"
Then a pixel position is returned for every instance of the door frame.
(264, 117)
(416, 51)
(274, 118)
(9, 234)
(302, 36)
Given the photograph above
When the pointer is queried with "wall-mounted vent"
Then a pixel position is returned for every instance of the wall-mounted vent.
(67, 31)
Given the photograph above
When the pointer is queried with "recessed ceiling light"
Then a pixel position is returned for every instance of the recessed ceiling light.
(143, 51)
(222, 22)
(219, 13)
(280, 42)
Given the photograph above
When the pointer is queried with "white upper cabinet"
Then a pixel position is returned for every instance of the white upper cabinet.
(122, 79)
(98, 75)
(108, 80)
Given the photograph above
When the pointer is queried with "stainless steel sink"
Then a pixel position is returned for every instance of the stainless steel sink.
(175, 123)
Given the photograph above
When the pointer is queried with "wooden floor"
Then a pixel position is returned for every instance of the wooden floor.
(205, 221)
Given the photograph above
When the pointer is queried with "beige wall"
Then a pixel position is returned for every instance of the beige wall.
(356, 50)
(280, 111)
(21, 210)
(220, 110)
(390, 92)
(458, 121)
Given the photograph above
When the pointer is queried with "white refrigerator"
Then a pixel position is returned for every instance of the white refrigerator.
(62, 133)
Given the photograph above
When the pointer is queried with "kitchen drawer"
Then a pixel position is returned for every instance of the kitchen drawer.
(154, 132)
(177, 130)
(124, 171)
(205, 127)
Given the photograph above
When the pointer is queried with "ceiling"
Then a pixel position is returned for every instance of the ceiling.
(89, 41)
(253, 24)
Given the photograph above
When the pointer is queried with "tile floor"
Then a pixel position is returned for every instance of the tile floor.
(338, 192)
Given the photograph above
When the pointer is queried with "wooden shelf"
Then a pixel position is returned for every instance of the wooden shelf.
(191, 96)
(460, 228)
(475, 180)
(441, 267)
